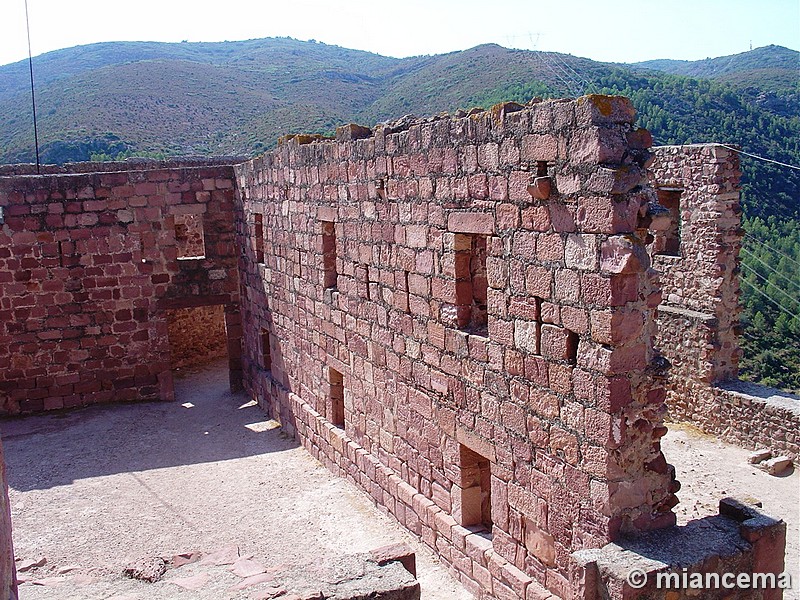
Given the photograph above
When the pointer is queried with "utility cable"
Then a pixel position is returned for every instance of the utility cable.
(769, 283)
(33, 95)
(778, 273)
(769, 160)
(758, 241)
(780, 306)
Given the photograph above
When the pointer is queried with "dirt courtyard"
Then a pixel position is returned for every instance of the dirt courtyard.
(94, 489)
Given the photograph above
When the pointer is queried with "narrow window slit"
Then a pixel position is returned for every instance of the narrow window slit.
(472, 285)
(336, 398)
(474, 504)
(259, 235)
(667, 242)
(572, 347)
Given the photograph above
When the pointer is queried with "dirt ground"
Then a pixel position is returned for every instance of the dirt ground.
(92, 490)
(709, 469)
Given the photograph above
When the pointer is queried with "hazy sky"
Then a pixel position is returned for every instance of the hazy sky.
(614, 30)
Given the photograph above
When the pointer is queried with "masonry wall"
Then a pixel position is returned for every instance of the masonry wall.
(457, 314)
(370, 274)
(703, 275)
(698, 320)
(89, 264)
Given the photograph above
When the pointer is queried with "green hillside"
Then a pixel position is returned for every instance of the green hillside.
(772, 68)
(238, 97)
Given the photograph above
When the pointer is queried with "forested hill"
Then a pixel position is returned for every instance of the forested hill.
(149, 98)
(771, 68)
(114, 100)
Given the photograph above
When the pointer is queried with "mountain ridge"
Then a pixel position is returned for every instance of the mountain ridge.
(114, 99)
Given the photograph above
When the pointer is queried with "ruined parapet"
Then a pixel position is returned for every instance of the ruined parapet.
(698, 255)
(8, 575)
(457, 314)
(695, 246)
(737, 554)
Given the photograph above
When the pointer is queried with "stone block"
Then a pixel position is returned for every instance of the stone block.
(471, 222)
(580, 252)
(399, 552)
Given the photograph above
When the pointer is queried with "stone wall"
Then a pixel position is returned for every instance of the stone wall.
(196, 335)
(698, 320)
(8, 576)
(458, 314)
(703, 275)
(514, 377)
(89, 263)
(701, 559)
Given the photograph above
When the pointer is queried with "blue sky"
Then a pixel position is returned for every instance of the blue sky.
(615, 30)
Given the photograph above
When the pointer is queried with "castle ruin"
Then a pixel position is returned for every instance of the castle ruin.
(481, 321)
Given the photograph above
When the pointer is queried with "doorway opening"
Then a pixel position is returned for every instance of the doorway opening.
(197, 337)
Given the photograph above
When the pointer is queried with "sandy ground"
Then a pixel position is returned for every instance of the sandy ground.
(709, 469)
(93, 489)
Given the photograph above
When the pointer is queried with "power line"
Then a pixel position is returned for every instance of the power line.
(780, 306)
(543, 56)
(33, 95)
(576, 85)
(765, 280)
(778, 273)
(769, 160)
(758, 241)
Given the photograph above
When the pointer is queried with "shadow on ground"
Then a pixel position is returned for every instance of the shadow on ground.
(56, 449)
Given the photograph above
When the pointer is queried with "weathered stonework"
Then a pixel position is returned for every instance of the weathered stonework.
(456, 314)
(698, 320)
(88, 268)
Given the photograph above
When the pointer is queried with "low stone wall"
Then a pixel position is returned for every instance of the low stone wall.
(758, 416)
(468, 550)
(702, 559)
(196, 335)
(744, 413)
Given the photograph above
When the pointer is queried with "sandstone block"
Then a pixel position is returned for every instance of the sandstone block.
(351, 131)
(601, 109)
(623, 255)
(758, 456)
(777, 465)
(471, 222)
(539, 147)
(540, 543)
(580, 252)
(526, 336)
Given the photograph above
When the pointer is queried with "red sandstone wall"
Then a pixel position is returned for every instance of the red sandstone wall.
(196, 335)
(88, 266)
(698, 321)
(704, 277)
(572, 441)
(8, 578)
